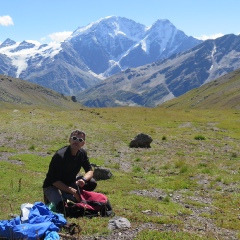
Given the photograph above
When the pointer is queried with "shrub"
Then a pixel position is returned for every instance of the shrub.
(199, 137)
(32, 147)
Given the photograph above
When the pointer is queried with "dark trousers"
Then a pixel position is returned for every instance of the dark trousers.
(54, 195)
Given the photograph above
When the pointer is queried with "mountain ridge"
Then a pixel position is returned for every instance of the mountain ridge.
(93, 52)
(224, 92)
(152, 84)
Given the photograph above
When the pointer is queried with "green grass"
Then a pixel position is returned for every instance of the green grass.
(177, 164)
(157, 235)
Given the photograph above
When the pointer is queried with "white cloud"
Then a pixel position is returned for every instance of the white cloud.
(59, 36)
(6, 21)
(213, 36)
(56, 37)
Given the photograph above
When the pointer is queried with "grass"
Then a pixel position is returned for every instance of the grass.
(177, 164)
(156, 235)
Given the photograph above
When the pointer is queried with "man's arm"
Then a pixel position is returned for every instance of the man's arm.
(87, 176)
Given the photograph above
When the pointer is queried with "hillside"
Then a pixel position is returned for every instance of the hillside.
(223, 92)
(153, 84)
(17, 91)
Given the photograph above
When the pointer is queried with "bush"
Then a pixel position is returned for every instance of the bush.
(199, 137)
(164, 138)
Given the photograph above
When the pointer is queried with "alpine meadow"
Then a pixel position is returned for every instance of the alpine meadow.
(185, 186)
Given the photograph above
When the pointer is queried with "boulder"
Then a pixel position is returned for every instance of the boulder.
(118, 223)
(101, 173)
(141, 141)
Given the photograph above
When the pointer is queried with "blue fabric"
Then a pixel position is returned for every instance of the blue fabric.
(40, 220)
(41, 213)
(7, 225)
(51, 236)
(32, 231)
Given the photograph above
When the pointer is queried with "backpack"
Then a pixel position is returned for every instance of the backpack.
(92, 204)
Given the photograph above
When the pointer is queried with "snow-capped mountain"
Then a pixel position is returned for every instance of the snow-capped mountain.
(114, 44)
(53, 66)
(92, 53)
(155, 83)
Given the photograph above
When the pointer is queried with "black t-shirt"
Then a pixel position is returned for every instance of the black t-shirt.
(64, 167)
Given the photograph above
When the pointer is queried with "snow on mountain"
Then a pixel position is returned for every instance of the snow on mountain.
(119, 43)
(112, 27)
(20, 53)
(93, 52)
(152, 84)
(7, 42)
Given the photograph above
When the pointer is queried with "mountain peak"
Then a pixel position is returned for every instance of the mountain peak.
(7, 42)
(162, 21)
(23, 45)
(111, 26)
(163, 24)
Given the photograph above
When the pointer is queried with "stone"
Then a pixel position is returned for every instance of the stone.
(118, 223)
(141, 141)
(101, 173)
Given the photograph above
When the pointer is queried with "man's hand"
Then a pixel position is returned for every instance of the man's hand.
(80, 183)
(75, 194)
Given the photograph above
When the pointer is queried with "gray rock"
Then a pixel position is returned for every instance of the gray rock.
(141, 141)
(101, 173)
(118, 223)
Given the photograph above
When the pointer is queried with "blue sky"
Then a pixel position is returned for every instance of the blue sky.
(54, 20)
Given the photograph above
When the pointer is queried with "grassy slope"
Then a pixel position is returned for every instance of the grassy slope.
(197, 181)
(221, 93)
(191, 187)
(13, 90)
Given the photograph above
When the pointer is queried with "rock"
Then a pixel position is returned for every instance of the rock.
(141, 141)
(118, 223)
(146, 211)
(101, 173)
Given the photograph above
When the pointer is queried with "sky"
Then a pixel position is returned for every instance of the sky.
(48, 21)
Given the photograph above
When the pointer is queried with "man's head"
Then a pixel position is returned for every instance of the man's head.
(77, 139)
(78, 132)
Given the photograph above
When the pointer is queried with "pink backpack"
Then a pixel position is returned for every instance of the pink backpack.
(92, 204)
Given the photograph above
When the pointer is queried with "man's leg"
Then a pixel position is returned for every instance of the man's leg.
(54, 195)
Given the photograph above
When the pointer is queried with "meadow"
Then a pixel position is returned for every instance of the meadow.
(186, 186)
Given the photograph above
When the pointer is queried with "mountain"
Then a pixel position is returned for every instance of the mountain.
(92, 53)
(113, 44)
(21, 92)
(7, 42)
(153, 84)
(224, 92)
(57, 67)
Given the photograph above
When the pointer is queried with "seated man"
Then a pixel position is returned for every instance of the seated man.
(61, 180)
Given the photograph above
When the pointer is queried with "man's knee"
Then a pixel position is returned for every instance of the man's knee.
(52, 195)
(90, 185)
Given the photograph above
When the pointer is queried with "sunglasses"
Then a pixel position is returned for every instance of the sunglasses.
(77, 139)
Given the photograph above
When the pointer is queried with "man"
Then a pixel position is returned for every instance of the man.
(61, 179)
